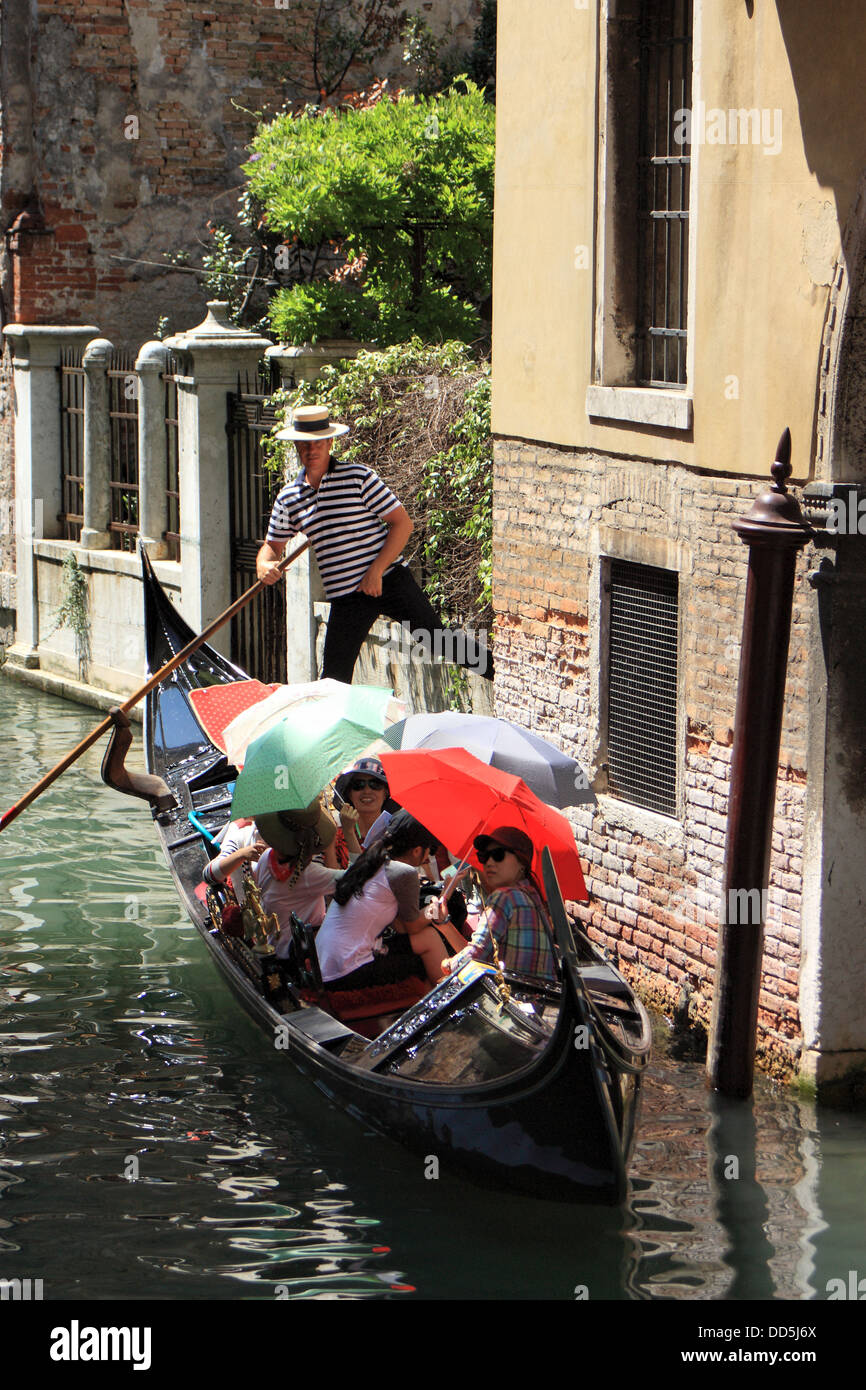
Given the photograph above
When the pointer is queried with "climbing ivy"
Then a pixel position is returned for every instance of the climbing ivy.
(72, 612)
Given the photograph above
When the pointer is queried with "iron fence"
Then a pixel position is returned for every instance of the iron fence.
(258, 633)
(171, 534)
(123, 431)
(71, 515)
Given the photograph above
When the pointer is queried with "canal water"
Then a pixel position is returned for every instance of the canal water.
(154, 1145)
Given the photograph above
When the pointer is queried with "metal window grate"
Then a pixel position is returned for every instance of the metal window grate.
(172, 458)
(71, 515)
(123, 432)
(258, 633)
(663, 206)
(642, 686)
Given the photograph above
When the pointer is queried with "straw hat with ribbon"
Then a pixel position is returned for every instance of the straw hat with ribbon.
(310, 422)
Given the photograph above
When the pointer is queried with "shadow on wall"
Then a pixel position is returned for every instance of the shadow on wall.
(826, 68)
(423, 685)
(826, 62)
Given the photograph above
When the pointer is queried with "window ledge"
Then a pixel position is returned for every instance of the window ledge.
(641, 405)
(624, 815)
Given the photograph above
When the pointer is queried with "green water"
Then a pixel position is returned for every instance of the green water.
(154, 1145)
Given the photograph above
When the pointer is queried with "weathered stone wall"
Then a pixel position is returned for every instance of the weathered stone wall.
(654, 880)
(115, 616)
(140, 117)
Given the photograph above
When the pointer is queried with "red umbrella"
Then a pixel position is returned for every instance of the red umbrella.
(458, 797)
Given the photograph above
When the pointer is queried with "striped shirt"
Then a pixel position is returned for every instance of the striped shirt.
(343, 519)
(517, 918)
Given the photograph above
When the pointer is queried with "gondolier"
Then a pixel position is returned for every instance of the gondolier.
(358, 529)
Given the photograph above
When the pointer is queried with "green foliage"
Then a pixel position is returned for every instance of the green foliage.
(457, 693)
(420, 417)
(406, 188)
(72, 612)
(322, 309)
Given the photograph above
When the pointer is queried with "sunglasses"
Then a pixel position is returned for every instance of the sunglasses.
(497, 855)
(364, 782)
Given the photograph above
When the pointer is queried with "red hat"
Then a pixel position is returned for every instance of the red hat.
(508, 837)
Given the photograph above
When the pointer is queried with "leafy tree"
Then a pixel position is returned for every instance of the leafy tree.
(388, 211)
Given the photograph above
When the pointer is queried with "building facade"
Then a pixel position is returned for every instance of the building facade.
(690, 178)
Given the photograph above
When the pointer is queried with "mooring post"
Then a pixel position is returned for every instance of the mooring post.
(774, 531)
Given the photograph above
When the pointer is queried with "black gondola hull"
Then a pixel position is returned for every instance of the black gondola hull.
(560, 1127)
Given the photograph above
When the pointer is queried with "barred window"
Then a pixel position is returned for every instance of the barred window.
(665, 66)
(645, 96)
(642, 685)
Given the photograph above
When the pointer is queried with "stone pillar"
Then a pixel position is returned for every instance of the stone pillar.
(303, 582)
(833, 942)
(212, 356)
(36, 354)
(95, 534)
(152, 512)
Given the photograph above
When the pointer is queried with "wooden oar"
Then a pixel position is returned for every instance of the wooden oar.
(8, 817)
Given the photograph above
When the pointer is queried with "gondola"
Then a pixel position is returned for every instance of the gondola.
(536, 1092)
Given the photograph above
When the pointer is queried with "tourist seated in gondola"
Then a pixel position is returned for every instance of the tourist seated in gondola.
(379, 890)
(240, 843)
(364, 787)
(289, 874)
(515, 914)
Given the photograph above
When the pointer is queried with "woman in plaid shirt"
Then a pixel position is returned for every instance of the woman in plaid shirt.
(515, 914)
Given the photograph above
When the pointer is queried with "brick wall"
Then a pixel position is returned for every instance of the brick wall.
(654, 881)
(141, 115)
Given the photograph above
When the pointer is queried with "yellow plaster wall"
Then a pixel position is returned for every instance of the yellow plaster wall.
(767, 226)
(545, 177)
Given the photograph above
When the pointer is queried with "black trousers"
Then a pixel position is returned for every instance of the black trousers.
(404, 602)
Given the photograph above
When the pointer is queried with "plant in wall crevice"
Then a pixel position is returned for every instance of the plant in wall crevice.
(72, 612)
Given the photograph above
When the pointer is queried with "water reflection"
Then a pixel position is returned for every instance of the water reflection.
(153, 1145)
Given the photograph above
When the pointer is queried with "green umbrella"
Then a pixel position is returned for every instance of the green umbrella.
(290, 764)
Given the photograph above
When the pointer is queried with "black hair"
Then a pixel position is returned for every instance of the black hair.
(403, 834)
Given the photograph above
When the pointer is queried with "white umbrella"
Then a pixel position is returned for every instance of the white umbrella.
(259, 718)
